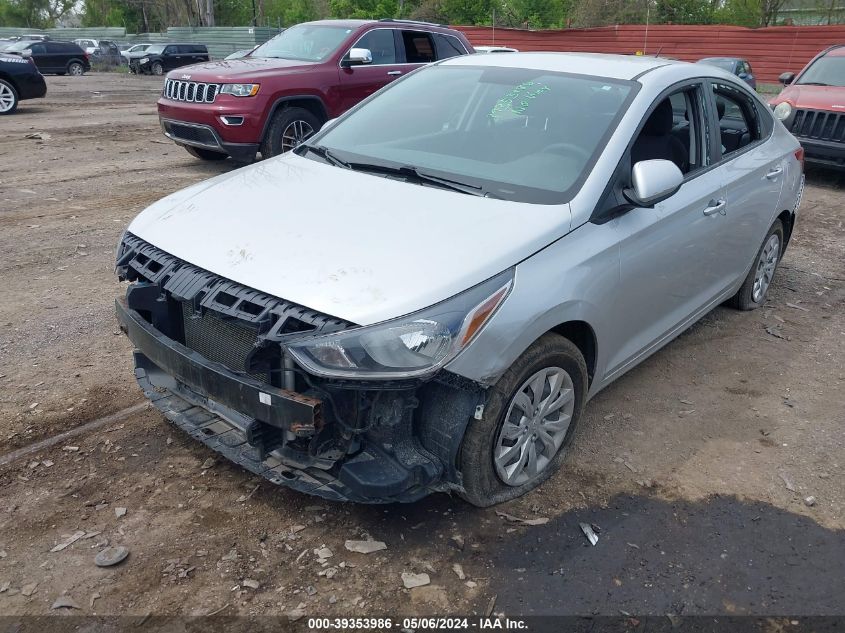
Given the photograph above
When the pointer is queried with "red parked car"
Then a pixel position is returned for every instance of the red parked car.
(812, 107)
(286, 89)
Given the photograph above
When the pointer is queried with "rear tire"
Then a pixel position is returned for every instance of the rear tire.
(482, 463)
(205, 154)
(8, 97)
(288, 128)
(75, 69)
(752, 293)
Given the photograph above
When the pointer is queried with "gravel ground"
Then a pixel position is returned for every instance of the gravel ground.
(695, 465)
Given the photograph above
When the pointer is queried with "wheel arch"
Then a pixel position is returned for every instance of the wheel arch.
(787, 218)
(583, 336)
(312, 103)
(9, 79)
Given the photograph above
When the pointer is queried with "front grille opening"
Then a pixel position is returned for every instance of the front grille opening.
(154, 267)
(251, 308)
(142, 259)
(292, 325)
(225, 299)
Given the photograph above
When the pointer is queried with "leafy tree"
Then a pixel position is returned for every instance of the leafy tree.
(683, 12)
(36, 14)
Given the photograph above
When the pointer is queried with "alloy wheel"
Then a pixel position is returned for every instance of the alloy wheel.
(75, 70)
(766, 264)
(295, 133)
(7, 98)
(534, 427)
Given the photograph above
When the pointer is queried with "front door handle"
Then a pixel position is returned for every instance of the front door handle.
(394, 73)
(774, 173)
(715, 206)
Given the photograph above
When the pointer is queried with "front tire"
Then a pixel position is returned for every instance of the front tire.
(529, 418)
(8, 97)
(157, 69)
(205, 154)
(752, 293)
(288, 128)
(75, 69)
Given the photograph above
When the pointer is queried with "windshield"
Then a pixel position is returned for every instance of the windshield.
(19, 46)
(138, 48)
(305, 42)
(512, 133)
(825, 71)
(155, 49)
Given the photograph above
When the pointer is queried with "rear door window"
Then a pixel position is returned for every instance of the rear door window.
(740, 121)
(447, 46)
(419, 47)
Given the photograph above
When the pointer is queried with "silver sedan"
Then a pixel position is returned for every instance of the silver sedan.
(424, 296)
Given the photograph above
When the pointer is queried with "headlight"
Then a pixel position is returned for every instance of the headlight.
(783, 110)
(144, 60)
(411, 346)
(240, 90)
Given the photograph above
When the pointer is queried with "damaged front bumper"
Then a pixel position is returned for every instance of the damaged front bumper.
(406, 448)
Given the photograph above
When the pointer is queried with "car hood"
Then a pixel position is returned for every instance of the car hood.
(248, 68)
(355, 246)
(813, 97)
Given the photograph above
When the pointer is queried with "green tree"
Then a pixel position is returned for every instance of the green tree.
(683, 12)
(35, 14)
(364, 9)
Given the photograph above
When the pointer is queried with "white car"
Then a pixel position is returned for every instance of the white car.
(425, 294)
(136, 48)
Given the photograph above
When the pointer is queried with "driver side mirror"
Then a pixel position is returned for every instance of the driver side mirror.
(787, 78)
(358, 57)
(653, 181)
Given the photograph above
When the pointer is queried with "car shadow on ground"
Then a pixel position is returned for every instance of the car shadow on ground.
(653, 557)
(824, 176)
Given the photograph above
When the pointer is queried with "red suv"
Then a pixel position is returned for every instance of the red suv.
(812, 107)
(286, 89)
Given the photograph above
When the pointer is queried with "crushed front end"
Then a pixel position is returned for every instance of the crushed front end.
(210, 354)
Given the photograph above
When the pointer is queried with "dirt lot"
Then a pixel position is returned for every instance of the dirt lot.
(695, 465)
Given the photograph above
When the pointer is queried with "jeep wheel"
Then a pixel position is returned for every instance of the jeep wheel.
(289, 128)
(76, 69)
(205, 154)
(8, 97)
(157, 68)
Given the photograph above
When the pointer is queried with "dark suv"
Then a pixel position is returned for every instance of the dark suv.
(286, 89)
(159, 58)
(53, 56)
(19, 80)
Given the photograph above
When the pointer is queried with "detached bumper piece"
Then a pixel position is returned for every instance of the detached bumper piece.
(262, 427)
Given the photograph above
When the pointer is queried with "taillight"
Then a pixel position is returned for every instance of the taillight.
(799, 155)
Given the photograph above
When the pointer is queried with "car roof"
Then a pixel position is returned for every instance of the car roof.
(721, 59)
(592, 64)
(387, 22)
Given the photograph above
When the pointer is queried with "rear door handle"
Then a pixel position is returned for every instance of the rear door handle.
(393, 73)
(774, 173)
(715, 206)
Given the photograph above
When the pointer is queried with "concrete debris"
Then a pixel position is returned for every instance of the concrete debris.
(365, 547)
(510, 517)
(323, 553)
(111, 556)
(70, 540)
(414, 580)
(119, 512)
(232, 555)
(65, 602)
(458, 541)
(250, 583)
(810, 501)
(209, 463)
(787, 481)
(459, 571)
(587, 529)
(29, 589)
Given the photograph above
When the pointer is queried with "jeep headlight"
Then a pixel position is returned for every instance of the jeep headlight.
(411, 346)
(783, 110)
(240, 90)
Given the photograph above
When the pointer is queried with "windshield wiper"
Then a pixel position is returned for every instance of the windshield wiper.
(412, 173)
(327, 155)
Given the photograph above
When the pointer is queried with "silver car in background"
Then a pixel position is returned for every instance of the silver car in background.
(424, 295)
